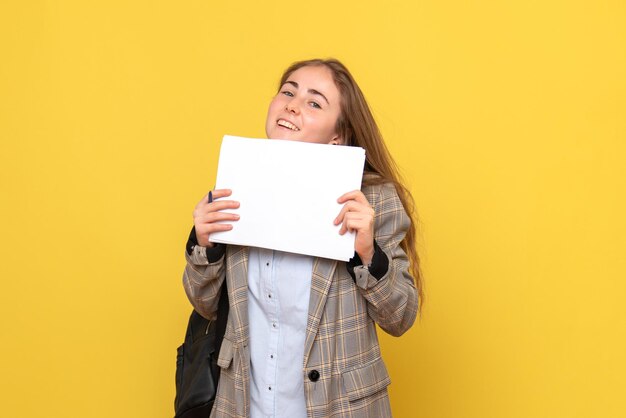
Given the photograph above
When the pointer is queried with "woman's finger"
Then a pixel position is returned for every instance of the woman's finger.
(345, 209)
(212, 228)
(204, 209)
(221, 205)
(353, 206)
(215, 194)
(218, 216)
(219, 193)
(353, 195)
(354, 221)
(205, 231)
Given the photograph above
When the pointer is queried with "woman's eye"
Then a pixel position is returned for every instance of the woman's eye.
(316, 105)
(287, 93)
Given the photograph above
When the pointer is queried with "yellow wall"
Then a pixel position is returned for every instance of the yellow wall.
(508, 118)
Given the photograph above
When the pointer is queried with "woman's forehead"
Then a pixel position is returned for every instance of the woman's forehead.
(317, 77)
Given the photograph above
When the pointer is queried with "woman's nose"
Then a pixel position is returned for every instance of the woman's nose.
(292, 107)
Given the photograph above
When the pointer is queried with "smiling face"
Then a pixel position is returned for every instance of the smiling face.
(306, 108)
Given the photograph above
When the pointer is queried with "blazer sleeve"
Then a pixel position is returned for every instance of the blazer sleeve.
(203, 277)
(392, 299)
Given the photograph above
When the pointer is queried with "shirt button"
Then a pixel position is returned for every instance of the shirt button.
(270, 388)
(274, 324)
(314, 375)
(269, 296)
(267, 264)
(271, 355)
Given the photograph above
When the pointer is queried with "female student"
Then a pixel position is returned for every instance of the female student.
(301, 338)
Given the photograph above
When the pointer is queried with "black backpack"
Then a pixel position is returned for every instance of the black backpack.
(197, 372)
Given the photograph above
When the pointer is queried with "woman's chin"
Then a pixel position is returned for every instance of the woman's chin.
(284, 134)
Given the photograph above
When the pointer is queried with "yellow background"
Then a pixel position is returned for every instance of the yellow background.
(507, 117)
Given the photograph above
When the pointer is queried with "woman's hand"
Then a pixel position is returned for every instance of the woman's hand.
(206, 214)
(357, 215)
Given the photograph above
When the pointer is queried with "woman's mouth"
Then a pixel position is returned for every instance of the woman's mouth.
(286, 124)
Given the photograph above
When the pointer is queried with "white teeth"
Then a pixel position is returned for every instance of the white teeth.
(289, 125)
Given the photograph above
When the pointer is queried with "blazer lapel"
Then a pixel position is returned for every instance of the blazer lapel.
(323, 271)
(237, 265)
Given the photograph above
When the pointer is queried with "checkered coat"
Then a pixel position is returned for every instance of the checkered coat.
(341, 342)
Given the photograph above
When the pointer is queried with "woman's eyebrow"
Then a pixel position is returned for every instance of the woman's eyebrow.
(312, 91)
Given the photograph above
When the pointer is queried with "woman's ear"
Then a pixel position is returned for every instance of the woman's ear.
(337, 140)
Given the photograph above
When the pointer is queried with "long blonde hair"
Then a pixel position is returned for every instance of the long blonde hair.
(357, 127)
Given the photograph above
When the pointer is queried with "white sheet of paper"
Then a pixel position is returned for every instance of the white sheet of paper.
(288, 192)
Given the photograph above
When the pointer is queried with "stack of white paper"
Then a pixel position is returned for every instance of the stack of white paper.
(288, 193)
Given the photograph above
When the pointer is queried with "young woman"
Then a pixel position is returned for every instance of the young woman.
(301, 338)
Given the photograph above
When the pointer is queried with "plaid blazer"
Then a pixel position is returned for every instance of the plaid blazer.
(342, 369)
